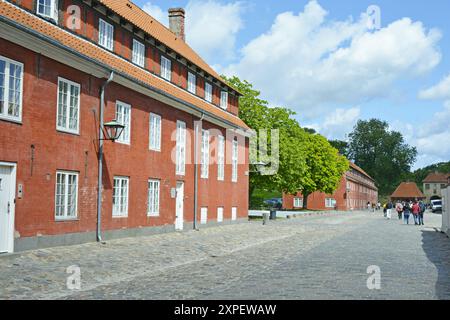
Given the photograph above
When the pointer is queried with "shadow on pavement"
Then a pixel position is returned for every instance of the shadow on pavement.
(437, 248)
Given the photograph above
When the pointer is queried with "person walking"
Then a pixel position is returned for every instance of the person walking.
(399, 209)
(390, 205)
(422, 212)
(416, 212)
(406, 212)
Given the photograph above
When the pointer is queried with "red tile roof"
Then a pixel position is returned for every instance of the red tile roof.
(354, 166)
(437, 177)
(408, 190)
(94, 52)
(141, 19)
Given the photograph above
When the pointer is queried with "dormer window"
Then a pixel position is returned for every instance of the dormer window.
(166, 68)
(191, 83)
(208, 92)
(138, 53)
(105, 34)
(224, 100)
(48, 9)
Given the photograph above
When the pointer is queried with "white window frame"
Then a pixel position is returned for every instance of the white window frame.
(180, 162)
(155, 129)
(330, 202)
(234, 161)
(205, 155)
(138, 56)
(204, 215)
(125, 137)
(153, 199)
(166, 68)
(115, 212)
(208, 92)
(220, 158)
(298, 202)
(233, 213)
(220, 214)
(66, 215)
(66, 128)
(6, 90)
(192, 83)
(224, 100)
(53, 9)
(108, 30)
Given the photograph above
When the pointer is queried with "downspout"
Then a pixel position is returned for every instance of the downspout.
(100, 158)
(196, 133)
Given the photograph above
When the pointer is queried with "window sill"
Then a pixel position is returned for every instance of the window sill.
(74, 133)
(67, 219)
(155, 150)
(153, 215)
(120, 217)
(10, 119)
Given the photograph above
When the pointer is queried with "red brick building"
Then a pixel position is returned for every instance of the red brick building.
(56, 57)
(356, 188)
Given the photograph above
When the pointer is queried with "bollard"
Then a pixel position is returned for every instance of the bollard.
(265, 218)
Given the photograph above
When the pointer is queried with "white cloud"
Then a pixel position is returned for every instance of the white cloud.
(312, 65)
(439, 91)
(157, 13)
(211, 27)
(338, 124)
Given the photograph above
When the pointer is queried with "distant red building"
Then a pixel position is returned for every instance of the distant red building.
(355, 190)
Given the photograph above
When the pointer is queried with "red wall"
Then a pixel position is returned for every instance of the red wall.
(35, 212)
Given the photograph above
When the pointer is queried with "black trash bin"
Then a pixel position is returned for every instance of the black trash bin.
(273, 214)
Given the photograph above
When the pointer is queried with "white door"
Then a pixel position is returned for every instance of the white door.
(179, 221)
(219, 214)
(234, 213)
(7, 190)
(203, 215)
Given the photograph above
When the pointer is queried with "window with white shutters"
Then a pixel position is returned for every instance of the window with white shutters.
(155, 132)
(66, 195)
(192, 87)
(120, 197)
(138, 53)
(224, 100)
(208, 92)
(47, 8)
(220, 158)
(205, 155)
(181, 148)
(105, 34)
(11, 89)
(123, 116)
(68, 109)
(166, 68)
(153, 197)
(234, 160)
(298, 203)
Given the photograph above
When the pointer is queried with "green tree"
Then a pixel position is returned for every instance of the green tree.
(256, 113)
(342, 146)
(325, 167)
(307, 161)
(382, 153)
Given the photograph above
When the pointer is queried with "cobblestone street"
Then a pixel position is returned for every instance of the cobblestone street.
(312, 257)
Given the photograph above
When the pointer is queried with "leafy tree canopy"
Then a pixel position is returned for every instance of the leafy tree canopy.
(307, 161)
(382, 153)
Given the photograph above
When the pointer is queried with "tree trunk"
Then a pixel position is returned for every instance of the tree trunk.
(305, 200)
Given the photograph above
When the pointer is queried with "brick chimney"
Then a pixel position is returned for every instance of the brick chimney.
(176, 22)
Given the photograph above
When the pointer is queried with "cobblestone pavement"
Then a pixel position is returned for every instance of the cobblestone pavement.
(313, 257)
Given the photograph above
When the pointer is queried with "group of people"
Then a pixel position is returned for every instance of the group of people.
(405, 209)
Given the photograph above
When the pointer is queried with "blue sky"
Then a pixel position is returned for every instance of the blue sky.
(318, 58)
